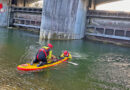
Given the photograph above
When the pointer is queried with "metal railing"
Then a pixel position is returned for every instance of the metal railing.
(26, 10)
(108, 14)
(27, 23)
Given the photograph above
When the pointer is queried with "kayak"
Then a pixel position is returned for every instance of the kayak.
(28, 67)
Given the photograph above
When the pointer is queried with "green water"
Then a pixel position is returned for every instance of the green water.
(100, 66)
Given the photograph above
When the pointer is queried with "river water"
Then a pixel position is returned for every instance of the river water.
(100, 66)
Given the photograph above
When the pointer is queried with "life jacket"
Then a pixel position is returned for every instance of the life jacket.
(45, 51)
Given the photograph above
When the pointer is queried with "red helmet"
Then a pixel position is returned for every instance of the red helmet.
(65, 52)
(50, 45)
(1, 5)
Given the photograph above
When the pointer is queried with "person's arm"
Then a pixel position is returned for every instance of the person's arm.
(70, 56)
(50, 54)
(62, 55)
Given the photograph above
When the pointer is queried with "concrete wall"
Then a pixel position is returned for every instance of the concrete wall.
(92, 4)
(80, 24)
(20, 3)
(30, 3)
(28, 16)
(106, 26)
(27, 20)
(109, 19)
(99, 2)
(35, 3)
(4, 15)
(110, 23)
(63, 19)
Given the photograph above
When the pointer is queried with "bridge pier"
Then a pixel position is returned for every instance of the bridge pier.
(4, 13)
(63, 19)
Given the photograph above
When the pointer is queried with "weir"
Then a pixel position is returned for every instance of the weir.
(25, 17)
(113, 25)
(25, 14)
(66, 19)
(108, 26)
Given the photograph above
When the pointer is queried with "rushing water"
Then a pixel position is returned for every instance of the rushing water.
(100, 66)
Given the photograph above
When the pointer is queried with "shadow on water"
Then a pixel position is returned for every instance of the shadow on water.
(100, 66)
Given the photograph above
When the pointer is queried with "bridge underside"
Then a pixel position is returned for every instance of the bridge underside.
(94, 3)
(99, 2)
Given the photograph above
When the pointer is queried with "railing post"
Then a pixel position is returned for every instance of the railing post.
(114, 32)
(125, 33)
(104, 30)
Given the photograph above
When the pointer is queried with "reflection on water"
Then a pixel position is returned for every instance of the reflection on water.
(100, 66)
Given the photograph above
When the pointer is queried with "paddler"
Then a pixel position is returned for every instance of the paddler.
(66, 54)
(43, 55)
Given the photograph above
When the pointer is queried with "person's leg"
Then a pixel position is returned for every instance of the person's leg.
(34, 61)
(42, 62)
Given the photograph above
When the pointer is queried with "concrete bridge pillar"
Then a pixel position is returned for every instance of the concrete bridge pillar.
(4, 13)
(63, 19)
(92, 4)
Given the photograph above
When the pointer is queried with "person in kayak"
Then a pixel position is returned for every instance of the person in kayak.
(66, 54)
(43, 55)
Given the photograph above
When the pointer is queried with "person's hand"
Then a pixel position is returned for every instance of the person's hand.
(38, 65)
(52, 57)
(31, 63)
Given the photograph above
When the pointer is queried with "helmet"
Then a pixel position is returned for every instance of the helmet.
(50, 45)
(65, 52)
(1, 5)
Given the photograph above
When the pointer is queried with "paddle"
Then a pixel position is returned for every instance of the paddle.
(56, 59)
(73, 63)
